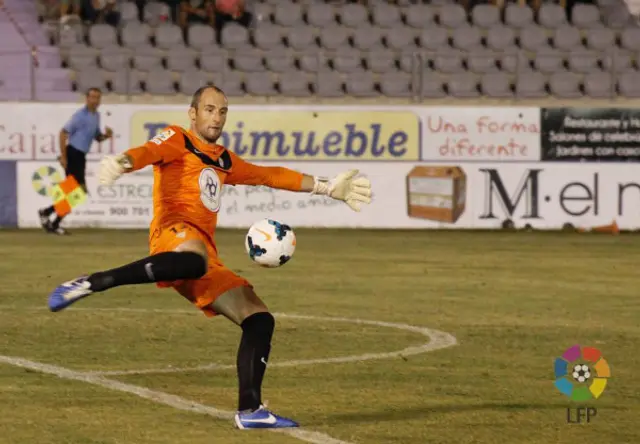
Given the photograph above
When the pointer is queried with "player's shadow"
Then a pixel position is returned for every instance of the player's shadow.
(395, 414)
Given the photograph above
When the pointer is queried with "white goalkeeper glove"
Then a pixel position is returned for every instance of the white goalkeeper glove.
(345, 187)
(112, 167)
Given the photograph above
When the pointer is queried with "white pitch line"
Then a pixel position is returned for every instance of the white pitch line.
(174, 401)
(437, 340)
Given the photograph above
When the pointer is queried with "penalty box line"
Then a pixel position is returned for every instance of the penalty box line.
(158, 397)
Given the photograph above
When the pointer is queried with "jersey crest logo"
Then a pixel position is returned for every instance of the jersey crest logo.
(163, 136)
(210, 189)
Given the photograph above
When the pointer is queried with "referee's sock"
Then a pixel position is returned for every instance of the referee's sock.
(47, 211)
(161, 267)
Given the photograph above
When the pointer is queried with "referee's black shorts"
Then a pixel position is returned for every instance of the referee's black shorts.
(76, 164)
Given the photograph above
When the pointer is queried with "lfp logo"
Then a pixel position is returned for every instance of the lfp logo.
(581, 373)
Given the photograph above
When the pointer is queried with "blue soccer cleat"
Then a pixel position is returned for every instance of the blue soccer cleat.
(68, 293)
(262, 419)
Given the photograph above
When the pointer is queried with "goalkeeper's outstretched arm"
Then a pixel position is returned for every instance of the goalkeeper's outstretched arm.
(353, 190)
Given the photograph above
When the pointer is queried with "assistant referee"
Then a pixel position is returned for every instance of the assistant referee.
(76, 138)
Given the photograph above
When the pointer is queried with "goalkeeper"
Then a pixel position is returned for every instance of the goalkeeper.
(189, 172)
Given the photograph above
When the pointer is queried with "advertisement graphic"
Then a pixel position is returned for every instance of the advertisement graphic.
(295, 134)
(406, 195)
(31, 131)
(488, 134)
(436, 193)
(581, 373)
(590, 134)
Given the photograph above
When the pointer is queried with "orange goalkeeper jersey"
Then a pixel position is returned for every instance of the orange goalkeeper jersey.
(189, 175)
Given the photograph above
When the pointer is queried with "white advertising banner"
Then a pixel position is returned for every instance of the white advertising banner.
(406, 195)
(481, 134)
(297, 133)
(31, 131)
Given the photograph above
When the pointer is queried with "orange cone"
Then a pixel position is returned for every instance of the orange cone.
(612, 228)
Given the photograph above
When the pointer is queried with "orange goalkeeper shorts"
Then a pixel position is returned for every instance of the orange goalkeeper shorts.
(217, 280)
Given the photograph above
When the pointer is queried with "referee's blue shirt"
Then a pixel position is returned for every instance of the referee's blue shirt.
(83, 128)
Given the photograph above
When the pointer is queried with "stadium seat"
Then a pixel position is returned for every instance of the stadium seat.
(90, 77)
(353, 15)
(586, 16)
(482, 62)
(361, 84)
(566, 37)
(115, 58)
(433, 38)
(549, 61)
(533, 38)
(248, 61)
(617, 60)
(463, 85)
(259, 84)
(329, 84)
(200, 36)
(583, 61)
(82, 57)
(181, 59)
(291, 15)
(598, 85)
(496, 85)
(213, 59)
(601, 39)
(102, 36)
(294, 84)
(432, 86)
(347, 60)
(467, 38)
(552, 16)
(168, 36)
(629, 84)
(313, 61)
(281, 61)
(268, 37)
(401, 38)
(388, 16)
(501, 38)
(147, 58)
(334, 37)
(485, 16)
(452, 15)
(128, 12)
(160, 82)
(126, 82)
(449, 62)
(301, 38)
(135, 34)
(381, 61)
(531, 85)
(420, 16)
(630, 39)
(155, 12)
(235, 36)
(367, 38)
(565, 85)
(396, 84)
(190, 81)
(320, 15)
(518, 16)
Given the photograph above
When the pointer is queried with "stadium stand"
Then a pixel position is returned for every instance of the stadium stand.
(402, 49)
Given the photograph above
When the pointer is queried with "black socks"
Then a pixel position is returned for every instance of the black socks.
(169, 266)
(253, 355)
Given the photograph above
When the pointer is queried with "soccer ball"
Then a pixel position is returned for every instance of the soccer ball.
(581, 372)
(270, 243)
